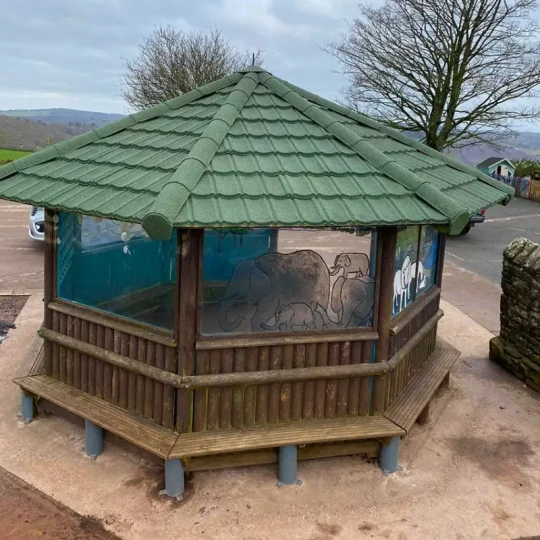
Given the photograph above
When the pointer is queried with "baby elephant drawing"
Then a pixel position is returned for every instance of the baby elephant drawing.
(293, 317)
(351, 263)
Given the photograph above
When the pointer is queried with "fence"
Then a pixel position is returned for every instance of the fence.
(524, 186)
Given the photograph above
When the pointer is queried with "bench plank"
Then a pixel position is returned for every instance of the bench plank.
(411, 402)
(137, 430)
(316, 431)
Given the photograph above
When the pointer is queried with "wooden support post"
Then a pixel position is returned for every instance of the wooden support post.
(48, 286)
(440, 259)
(385, 275)
(188, 259)
(423, 417)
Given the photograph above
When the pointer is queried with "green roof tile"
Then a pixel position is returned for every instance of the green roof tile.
(251, 150)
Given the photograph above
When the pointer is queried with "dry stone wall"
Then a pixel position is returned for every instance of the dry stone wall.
(517, 348)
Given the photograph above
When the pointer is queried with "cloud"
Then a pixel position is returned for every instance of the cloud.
(68, 54)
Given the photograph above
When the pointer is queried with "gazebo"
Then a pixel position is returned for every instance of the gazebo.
(245, 274)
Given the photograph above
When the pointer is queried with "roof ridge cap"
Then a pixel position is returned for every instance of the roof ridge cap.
(394, 133)
(159, 220)
(74, 143)
(422, 188)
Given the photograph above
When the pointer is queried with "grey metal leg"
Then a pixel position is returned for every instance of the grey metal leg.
(94, 439)
(288, 466)
(388, 460)
(174, 479)
(27, 407)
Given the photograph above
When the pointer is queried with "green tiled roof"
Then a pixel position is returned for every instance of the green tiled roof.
(251, 150)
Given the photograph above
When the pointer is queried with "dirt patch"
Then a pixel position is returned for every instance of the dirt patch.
(27, 514)
(10, 307)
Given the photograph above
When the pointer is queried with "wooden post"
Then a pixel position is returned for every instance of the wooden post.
(385, 274)
(440, 258)
(48, 285)
(188, 260)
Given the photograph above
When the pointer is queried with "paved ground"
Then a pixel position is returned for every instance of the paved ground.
(22, 258)
(480, 251)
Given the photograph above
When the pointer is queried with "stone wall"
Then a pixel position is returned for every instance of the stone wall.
(517, 349)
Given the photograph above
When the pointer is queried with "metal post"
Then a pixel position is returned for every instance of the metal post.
(27, 407)
(388, 459)
(174, 479)
(288, 466)
(94, 439)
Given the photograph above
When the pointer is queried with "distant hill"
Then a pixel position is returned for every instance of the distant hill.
(19, 134)
(64, 116)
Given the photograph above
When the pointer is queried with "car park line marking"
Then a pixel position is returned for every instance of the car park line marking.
(16, 249)
(522, 230)
(455, 256)
(512, 217)
(13, 226)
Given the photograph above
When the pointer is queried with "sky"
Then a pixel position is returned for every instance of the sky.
(68, 53)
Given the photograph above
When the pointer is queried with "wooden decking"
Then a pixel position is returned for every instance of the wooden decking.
(406, 408)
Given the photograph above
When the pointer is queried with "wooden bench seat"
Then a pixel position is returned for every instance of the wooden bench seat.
(407, 407)
(139, 431)
(317, 431)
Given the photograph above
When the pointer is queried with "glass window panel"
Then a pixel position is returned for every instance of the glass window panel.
(270, 280)
(427, 267)
(405, 268)
(112, 266)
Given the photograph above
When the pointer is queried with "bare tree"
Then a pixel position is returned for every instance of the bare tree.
(456, 71)
(172, 62)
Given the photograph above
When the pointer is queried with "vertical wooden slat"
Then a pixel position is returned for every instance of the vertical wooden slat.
(297, 400)
(132, 377)
(149, 383)
(92, 339)
(388, 237)
(214, 393)
(261, 415)
(250, 395)
(202, 366)
(354, 385)
(286, 388)
(169, 392)
(69, 352)
(107, 368)
(140, 382)
(115, 376)
(343, 384)
(330, 402)
(225, 413)
(320, 386)
(158, 387)
(56, 348)
(49, 278)
(308, 407)
(100, 342)
(84, 359)
(274, 391)
(238, 391)
(62, 375)
(188, 260)
(77, 355)
(123, 378)
(365, 382)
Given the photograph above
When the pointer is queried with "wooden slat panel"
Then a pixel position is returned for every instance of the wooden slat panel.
(62, 375)
(330, 402)
(170, 394)
(158, 387)
(250, 395)
(100, 342)
(308, 410)
(274, 391)
(140, 382)
(343, 429)
(123, 394)
(364, 405)
(149, 383)
(297, 399)
(225, 413)
(343, 384)
(132, 377)
(139, 431)
(202, 367)
(69, 353)
(320, 386)
(77, 355)
(84, 358)
(286, 388)
(108, 368)
(115, 383)
(261, 416)
(239, 366)
(214, 396)
(92, 339)
(354, 384)
(407, 407)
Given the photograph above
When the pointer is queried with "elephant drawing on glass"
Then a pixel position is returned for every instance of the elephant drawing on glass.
(277, 285)
(402, 281)
(352, 300)
(351, 263)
